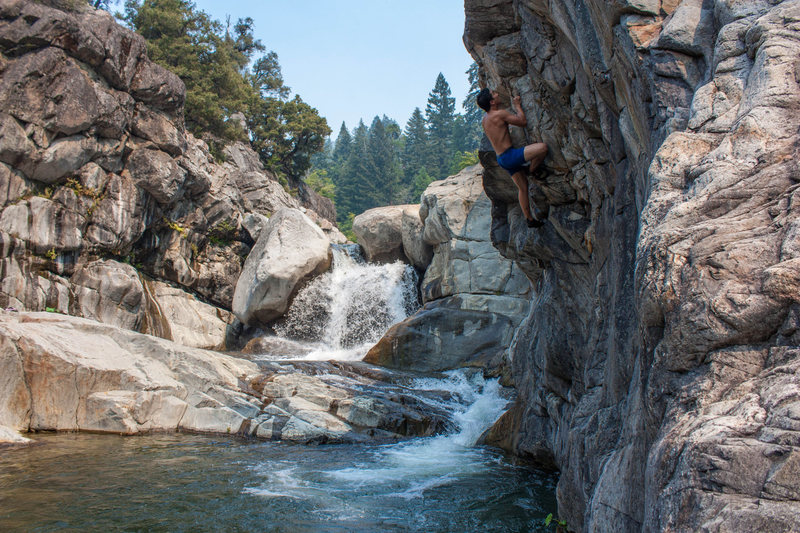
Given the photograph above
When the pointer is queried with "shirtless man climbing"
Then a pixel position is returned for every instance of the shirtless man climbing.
(517, 161)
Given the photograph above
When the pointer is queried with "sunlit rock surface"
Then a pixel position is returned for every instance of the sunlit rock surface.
(99, 180)
(658, 367)
(474, 298)
(290, 250)
(380, 233)
(65, 373)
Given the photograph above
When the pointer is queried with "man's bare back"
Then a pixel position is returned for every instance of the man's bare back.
(495, 124)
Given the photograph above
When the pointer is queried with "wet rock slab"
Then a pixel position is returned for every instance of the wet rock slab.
(65, 373)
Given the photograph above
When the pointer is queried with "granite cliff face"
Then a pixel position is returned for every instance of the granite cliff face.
(658, 369)
(104, 197)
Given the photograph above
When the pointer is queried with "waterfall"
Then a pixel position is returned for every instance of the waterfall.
(342, 313)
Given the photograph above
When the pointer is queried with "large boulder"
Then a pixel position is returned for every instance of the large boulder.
(176, 315)
(456, 215)
(418, 252)
(380, 233)
(464, 330)
(290, 250)
(474, 298)
(110, 292)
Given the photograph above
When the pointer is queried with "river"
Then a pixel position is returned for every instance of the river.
(181, 482)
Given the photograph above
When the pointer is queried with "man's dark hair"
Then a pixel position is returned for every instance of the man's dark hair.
(485, 99)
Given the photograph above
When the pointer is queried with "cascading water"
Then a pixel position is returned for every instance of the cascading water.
(416, 485)
(199, 483)
(342, 313)
(438, 483)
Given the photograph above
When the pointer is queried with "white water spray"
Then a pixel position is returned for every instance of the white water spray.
(342, 313)
(415, 466)
(407, 470)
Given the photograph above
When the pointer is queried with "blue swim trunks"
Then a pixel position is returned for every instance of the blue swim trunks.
(513, 160)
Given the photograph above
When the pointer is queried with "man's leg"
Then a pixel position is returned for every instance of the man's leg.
(521, 181)
(535, 154)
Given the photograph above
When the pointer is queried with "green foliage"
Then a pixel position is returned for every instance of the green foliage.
(223, 233)
(439, 118)
(50, 310)
(267, 78)
(549, 520)
(213, 61)
(421, 181)
(51, 254)
(462, 160)
(346, 227)
(384, 164)
(286, 134)
(416, 147)
(203, 54)
(321, 183)
(388, 173)
(470, 137)
(174, 226)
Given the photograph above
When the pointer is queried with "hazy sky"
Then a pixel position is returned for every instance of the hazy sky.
(354, 59)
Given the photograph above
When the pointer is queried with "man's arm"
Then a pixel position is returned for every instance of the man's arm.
(518, 119)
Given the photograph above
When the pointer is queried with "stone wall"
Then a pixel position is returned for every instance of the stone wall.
(657, 369)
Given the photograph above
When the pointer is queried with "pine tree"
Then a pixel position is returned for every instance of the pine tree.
(267, 78)
(244, 42)
(439, 118)
(415, 154)
(419, 183)
(344, 143)
(285, 134)
(213, 63)
(350, 197)
(192, 45)
(383, 152)
(473, 131)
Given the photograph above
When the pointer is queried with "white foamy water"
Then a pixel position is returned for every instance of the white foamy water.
(420, 464)
(344, 312)
(405, 470)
